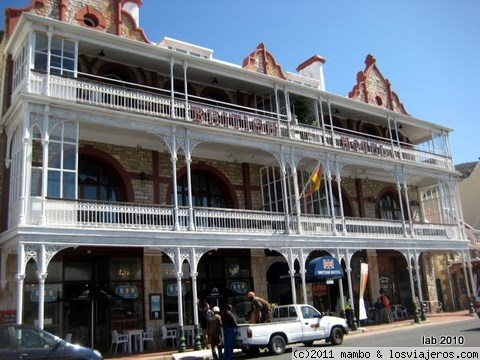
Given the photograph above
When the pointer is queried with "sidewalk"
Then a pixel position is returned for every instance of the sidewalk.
(206, 354)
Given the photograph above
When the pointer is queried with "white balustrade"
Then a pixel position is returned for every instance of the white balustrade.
(154, 103)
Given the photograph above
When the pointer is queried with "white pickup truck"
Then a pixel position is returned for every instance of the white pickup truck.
(297, 323)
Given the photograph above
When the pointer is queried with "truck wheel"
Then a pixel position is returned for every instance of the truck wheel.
(336, 336)
(277, 345)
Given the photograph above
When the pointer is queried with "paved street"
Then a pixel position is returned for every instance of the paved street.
(362, 331)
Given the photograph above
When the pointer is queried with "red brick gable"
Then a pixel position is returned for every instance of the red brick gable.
(104, 15)
(262, 61)
(373, 88)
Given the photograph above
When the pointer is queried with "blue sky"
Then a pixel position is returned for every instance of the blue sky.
(429, 50)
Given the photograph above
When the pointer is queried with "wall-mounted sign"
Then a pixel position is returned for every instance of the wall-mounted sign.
(127, 291)
(155, 306)
(50, 294)
(172, 290)
(239, 287)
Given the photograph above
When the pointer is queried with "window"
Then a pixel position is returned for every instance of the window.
(62, 161)
(97, 180)
(35, 339)
(57, 57)
(390, 208)
(272, 189)
(20, 66)
(206, 191)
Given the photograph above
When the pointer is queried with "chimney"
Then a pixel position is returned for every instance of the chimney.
(133, 8)
(313, 68)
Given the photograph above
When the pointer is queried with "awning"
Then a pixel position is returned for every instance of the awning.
(324, 268)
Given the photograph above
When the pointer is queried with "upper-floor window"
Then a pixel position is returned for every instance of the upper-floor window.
(20, 66)
(272, 189)
(57, 56)
(62, 164)
(389, 207)
(206, 191)
(98, 180)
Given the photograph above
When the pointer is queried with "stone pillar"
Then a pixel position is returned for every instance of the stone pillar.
(259, 273)
(429, 277)
(373, 278)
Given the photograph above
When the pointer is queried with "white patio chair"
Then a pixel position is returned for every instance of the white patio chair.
(169, 333)
(148, 335)
(118, 339)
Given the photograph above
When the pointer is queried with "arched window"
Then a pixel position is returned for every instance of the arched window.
(207, 191)
(97, 180)
(389, 207)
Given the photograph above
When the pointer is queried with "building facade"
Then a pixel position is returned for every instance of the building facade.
(140, 177)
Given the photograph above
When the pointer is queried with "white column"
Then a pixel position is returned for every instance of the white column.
(185, 65)
(25, 185)
(297, 200)
(20, 279)
(285, 196)
(191, 223)
(178, 266)
(45, 147)
(340, 197)
(42, 275)
(172, 89)
(330, 195)
(174, 179)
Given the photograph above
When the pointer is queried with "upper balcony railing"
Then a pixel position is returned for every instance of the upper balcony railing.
(98, 215)
(160, 103)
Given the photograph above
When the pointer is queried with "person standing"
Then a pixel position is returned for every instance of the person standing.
(378, 311)
(230, 324)
(261, 305)
(205, 314)
(387, 314)
(214, 330)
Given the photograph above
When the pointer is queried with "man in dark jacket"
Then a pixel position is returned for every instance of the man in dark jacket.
(229, 325)
(204, 315)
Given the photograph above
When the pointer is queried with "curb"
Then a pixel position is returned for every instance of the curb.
(206, 354)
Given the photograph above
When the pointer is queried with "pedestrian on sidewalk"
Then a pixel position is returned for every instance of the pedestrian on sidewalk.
(378, 311)
(387, 315)
(230, 324)
(205, 315)
(215, 336)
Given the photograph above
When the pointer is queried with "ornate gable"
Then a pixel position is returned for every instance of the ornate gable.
(119, 17)
(262, 61)
(374, 89)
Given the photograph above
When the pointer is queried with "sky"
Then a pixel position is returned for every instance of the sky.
(429, 50)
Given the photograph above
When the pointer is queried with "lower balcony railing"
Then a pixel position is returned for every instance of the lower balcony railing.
(97, 215)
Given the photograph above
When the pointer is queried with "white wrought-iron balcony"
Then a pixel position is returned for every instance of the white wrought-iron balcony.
(73, 214)
(160, 103)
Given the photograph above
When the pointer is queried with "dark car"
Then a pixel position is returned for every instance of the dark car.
(27, 342)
